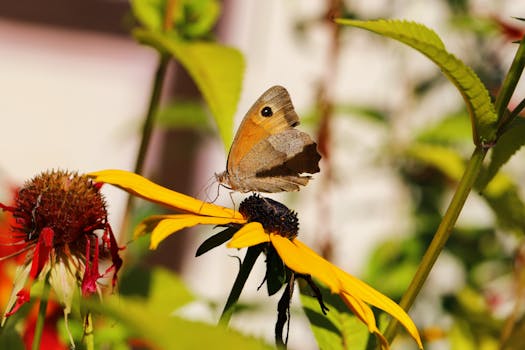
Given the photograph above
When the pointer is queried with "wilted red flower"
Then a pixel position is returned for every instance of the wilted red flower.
(61, 225)
(50, 336)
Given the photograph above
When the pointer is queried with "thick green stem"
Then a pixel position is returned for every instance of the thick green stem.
(441, 236)
(509, 84)
(147, 129)
(89, 337)
(41, 318)
(246, 267)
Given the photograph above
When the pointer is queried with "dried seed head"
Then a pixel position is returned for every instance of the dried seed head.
(275, 217)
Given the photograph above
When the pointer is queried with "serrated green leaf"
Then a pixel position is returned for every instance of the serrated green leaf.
(481, 110)
(447, 160)
(508, 144)
(338, 329)
(216, 69)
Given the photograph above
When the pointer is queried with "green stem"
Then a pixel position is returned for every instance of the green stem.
(153, 107)
(441, 236)
(89, 338)
(41, 318)
(147, 129)
(509, 84)
(246, 267)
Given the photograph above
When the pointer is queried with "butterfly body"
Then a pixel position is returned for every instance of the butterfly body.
(268, 154)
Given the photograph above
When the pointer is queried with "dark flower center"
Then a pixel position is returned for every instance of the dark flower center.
(69, 204)
(275, 217)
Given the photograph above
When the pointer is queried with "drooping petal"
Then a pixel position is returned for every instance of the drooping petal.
(64, 282)
(249, 235)
(41, 253)
(305, 260)
(365, 314)
(21, 277)
(174, 223)
(363, 291)
(301, 261)
(146, 189)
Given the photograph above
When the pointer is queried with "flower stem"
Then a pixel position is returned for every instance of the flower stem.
(509, 84)
(246, 267)
(441, 236)
(147, 129)
(89, 338)
(41, 318)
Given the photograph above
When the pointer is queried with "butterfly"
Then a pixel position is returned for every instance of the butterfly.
(268, 154)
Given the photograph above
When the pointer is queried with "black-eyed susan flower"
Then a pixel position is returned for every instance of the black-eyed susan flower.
(255, 229)
(62, 228)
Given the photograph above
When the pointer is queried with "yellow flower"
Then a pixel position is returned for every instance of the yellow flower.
(296, 255)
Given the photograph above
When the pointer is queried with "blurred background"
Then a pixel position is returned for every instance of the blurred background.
(74, 89)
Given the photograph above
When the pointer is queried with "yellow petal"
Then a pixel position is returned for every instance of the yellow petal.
(249, 235)
(302, 261)
(365, 314)
(363, 291)
(355, 287)
(176, 223)
(148, 190)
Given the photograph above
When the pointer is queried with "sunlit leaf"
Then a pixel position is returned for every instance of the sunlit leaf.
(454, 128)
(149, 13)
(216, 69)
(159, 330)
(447, 160)
(392, 265)
(191, 19)
(426, 41)
(167, 291)
(503, 196)
(339, 329)
(461, 337)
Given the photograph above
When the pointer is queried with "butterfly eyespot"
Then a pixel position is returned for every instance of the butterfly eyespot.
(266, 112)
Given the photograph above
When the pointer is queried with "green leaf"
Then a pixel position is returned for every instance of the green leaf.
(150, 13)
(338, 329)
(159, 330)
(167, 291)
(184, 114)
(508, 144)
(275, 271)
(216, 240)
(192, 19)
(453, 129)
(444, 159)
(482, 114)
(197, 18)
(216, 69)
(503, 196)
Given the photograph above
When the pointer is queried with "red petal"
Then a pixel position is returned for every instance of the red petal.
(91, 274)
(114, 249)
(42, 249)
(22, 298)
